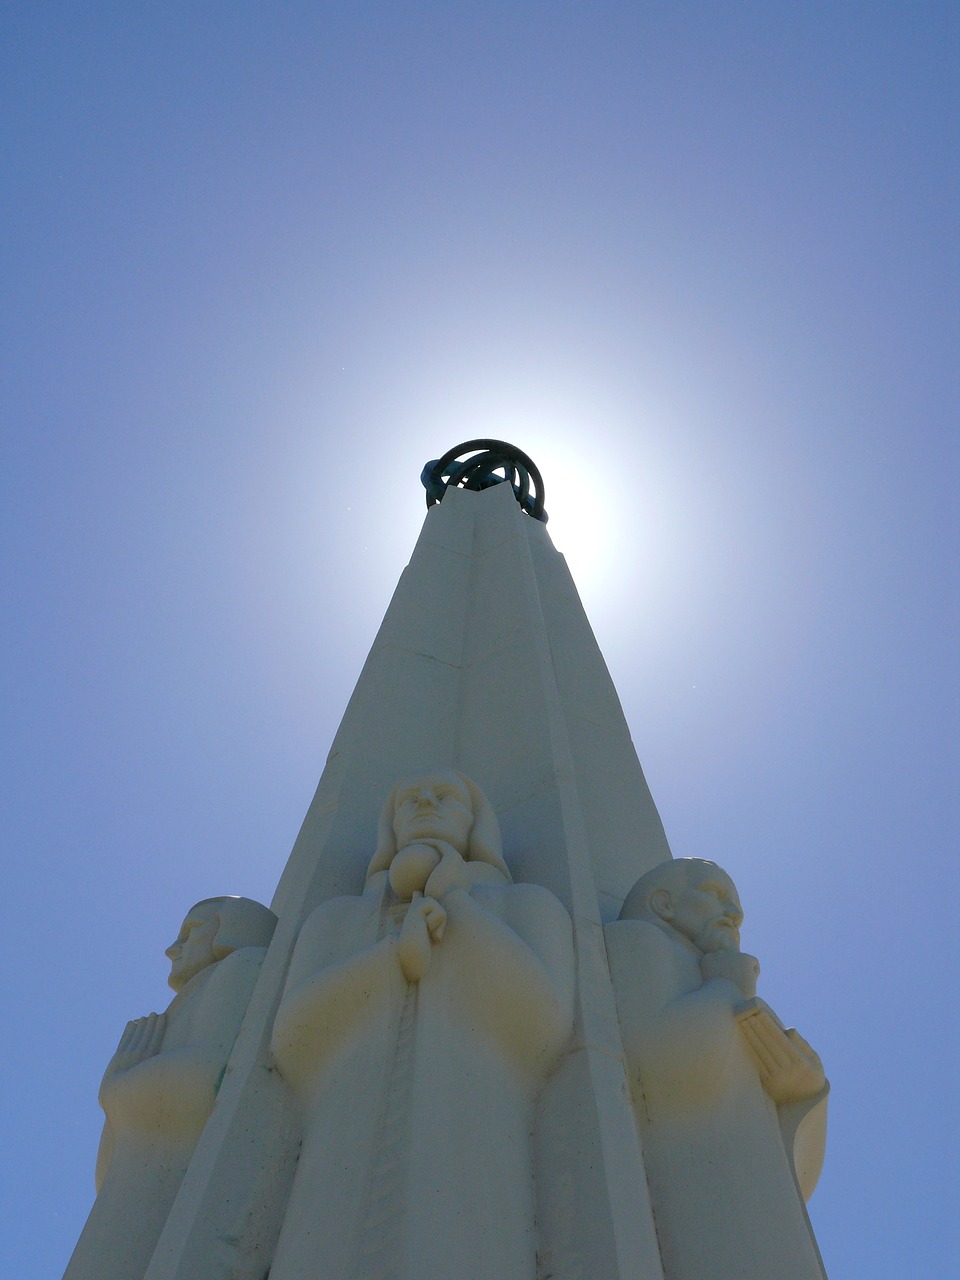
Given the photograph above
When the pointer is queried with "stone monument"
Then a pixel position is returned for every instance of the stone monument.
(498, 1034)
(160, 1086)
(730, 1106)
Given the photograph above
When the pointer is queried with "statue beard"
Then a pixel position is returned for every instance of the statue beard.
(412, 867)
(718, 937)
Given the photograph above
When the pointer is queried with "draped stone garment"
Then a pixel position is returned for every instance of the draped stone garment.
(725, 1194)
(417, 1097)
(156, 1114)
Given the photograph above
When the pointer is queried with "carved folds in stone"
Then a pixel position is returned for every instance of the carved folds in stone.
(729, 1104)
(160, 1086)
(417, 1023)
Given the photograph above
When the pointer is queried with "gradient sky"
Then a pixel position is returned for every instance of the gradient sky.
(699, 260)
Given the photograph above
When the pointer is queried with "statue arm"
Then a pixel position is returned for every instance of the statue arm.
(170, 1095)
(157, 1086)
(330, 987)
(104, 1155)
(803, 1126)
(123, 1081)
(698, 1018)
(677, 1021)
(522, 951)
(697, 1027)
(789, 1069)
(792, 1075)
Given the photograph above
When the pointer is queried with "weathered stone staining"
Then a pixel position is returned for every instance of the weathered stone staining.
(161, 1084)
(416, 1026)
(721, 1090)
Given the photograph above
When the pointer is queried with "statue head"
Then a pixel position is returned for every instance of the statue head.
(213, 929)
(431, 809)
(692, 897)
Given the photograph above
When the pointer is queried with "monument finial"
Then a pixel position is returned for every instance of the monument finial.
(490, 462)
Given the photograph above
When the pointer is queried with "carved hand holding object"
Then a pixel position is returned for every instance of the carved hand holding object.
(141, 1039)
(422, 928)
(789, 1069)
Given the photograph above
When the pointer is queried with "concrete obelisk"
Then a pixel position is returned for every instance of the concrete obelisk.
(439, 1073)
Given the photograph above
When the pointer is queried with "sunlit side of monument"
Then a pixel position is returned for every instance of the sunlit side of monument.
(498, 1034)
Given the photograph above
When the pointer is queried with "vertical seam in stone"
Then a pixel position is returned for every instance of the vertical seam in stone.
(381, 1225)
(565, 1253)
(469, 595)
(646, 1175)
(557, 729)
(558, 736)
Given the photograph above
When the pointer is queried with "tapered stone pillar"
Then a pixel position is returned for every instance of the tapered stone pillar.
(480, 1118)
(486, 663)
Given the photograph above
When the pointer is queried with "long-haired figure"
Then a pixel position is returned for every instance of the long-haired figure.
(416, 1027)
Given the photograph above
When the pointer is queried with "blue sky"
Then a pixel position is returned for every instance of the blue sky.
(700, 261)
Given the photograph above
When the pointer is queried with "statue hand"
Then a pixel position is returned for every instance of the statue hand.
(434, 917)
(422, 928)
(452, 873)
(789, 1069)
(736, 966)
(804, 1048)
(141, 1039)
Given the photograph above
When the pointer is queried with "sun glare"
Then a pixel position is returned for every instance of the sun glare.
(583, 527)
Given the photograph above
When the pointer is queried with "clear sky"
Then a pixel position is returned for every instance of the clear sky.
(260, 262)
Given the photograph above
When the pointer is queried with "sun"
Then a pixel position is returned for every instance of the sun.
(582, 526)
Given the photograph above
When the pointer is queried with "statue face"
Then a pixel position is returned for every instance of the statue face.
(435, 806)
(708, 913)
(193, 949)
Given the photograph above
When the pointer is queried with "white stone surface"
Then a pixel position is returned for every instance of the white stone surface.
(430, 1078)
(415, 1030)
(425, 700)
(710, 1066)
(161, 1085)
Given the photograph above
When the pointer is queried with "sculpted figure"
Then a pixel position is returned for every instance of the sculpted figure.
(160, 1086)
(730, 1105)
(417, 1024)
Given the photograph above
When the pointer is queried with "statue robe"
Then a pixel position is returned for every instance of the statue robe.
(723, 1183)
(155, 1114)
(417, 1097)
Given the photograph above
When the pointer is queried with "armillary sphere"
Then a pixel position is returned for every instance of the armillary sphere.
(489, 462)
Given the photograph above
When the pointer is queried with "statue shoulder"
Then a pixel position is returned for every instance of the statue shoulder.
(640, 936)
(522, 899)
(648, 967)
(234, 975)
(332, 932)
(534, 897)
(241, 963)
(334, 915)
